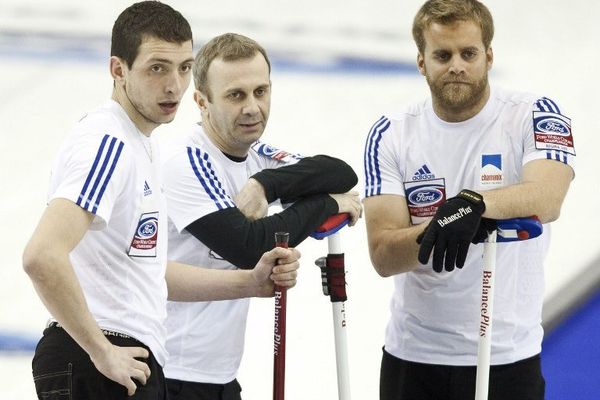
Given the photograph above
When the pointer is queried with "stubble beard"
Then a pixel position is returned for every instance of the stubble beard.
(245, 140)
(139, 108)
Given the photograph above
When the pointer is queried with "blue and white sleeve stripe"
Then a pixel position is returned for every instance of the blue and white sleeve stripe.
(548, 105)
(100, 173)
(557, 155)
(371, 157)
(207, 177)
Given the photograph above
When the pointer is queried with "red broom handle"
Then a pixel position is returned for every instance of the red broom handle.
(281, 240)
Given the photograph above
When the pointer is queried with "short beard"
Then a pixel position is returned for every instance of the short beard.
(458, 97)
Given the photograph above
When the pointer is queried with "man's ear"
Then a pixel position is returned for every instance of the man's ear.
(200, 99)
(421, 64)
(118, 69)
(489, 54)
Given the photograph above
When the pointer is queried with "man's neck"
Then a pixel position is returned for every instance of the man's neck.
(227, 149)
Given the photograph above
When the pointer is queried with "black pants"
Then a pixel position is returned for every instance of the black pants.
(62, 370)
(183, 390)
(407, 380)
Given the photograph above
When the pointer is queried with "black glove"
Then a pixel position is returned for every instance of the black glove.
(486, 225)
(454, 225)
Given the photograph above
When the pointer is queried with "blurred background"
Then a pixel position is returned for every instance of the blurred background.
(337, 66)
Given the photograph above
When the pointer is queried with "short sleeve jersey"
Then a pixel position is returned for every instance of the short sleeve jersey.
(105, 168)
(435, 316)
(206, 339)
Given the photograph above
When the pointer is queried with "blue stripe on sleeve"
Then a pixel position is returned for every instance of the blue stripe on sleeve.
(372, 171)
(108, 176)
(376, 157)
(92, 170)
(540, 106)
(369, 177)
(205, 175)
(107, 156)
(200, 178)
(553, 106)
(102, 177)
(547, 105)
(213, 179)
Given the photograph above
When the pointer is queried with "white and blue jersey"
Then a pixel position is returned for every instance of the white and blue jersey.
(417, 155)
(120, 263)
(206, 339)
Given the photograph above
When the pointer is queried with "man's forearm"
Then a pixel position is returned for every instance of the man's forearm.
(58, 288)
(242, 241)
(543, 187)
(523, 200)
(189, 283)
(394, 251)
(310, 176)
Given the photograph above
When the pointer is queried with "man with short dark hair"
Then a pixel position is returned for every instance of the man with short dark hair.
(98, 257)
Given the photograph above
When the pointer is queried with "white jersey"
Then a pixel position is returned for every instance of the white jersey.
(105, 168)
(206, 339)
(435, 316)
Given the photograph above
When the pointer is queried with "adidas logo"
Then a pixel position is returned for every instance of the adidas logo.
(147, 190)
(423, 174)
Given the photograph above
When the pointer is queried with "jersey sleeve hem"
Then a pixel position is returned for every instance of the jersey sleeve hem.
(99, 222)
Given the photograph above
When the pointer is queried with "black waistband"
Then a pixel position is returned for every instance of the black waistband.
(106, 332)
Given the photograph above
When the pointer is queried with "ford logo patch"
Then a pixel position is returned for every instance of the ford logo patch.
(553, 126)
(425, 196)
(147, 228)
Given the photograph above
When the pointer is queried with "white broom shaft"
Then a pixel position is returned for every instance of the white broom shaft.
(334, 243)
(341, 350)
(485, 320)
(339, 329)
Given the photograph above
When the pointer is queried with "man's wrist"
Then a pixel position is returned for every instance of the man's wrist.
(257, 187)
(99, 346)
(254, 287)
(262, 178)
(472, 197)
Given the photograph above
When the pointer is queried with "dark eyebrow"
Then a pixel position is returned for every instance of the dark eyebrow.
(160, 60)
(238, 89)
(233, 90)
(167, 61)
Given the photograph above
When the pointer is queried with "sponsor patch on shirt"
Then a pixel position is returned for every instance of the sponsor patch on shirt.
(424, 197)
(272, 152)
(145, 237)
(552, 131)
(491, 170)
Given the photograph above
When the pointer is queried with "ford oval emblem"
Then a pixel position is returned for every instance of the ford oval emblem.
(425, 196)
(553, 126)
(148, 228)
